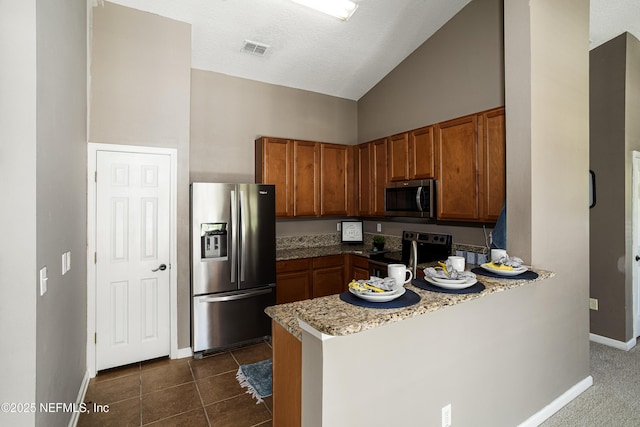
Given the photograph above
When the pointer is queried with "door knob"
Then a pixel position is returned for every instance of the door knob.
(161, 267)
(637, 257)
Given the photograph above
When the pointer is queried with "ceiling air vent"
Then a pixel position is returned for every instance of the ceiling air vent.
(254, 48)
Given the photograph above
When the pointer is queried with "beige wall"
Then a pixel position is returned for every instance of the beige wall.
(140, 89)
(547, 100)
(458, 71)
(229, 113)
(61, 38)
(43, 181)
(18, 261)
(615, 133)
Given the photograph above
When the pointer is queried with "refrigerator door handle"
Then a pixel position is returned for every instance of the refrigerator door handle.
(234, 297)
(243, 236)
(234, 231)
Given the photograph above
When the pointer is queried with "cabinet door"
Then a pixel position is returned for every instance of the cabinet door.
(379, 180)
(287, 377)
(398, 157)
(365, 170)
(421, 153)
(491, 126)
(306, 178)
(293, 280)
(359, 268)
(458, 169)
(334, 183)
(328, 276)
(273, 166)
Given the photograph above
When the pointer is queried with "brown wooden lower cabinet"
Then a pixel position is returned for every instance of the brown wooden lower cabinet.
(359, 268)
(293, 278)
(287, 377)
(306, 278)
(328, 276)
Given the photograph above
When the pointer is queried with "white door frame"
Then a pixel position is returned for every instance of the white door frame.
(92, 150)
(635, 279)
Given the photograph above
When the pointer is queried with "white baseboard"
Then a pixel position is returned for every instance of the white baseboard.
(81, 393)
(184, 352)
(566, 397)
(626, 346)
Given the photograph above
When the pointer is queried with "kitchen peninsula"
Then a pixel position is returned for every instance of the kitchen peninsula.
(368, 366)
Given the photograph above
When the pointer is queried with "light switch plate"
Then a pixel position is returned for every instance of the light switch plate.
(43, 280)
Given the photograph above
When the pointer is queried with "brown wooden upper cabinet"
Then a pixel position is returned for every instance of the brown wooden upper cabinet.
(379, 175)
(306, 178)
(422, 153)
(364, 203)
(274, 165)
(411, 155)
(311, 178)
(458, 169)
(398, 157)
(371, 180)
(470, 167)
(493, 145)
(334, 182)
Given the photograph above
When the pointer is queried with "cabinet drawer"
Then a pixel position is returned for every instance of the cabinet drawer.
(328, 261)
(292, 265)
(360, 262)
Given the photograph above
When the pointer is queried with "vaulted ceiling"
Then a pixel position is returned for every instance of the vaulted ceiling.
(308, 50)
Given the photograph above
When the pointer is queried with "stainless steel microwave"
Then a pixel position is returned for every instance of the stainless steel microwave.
(411, 198)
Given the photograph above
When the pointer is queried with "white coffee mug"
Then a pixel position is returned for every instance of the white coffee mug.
(497, 254)
(398, 272)
(457, 262)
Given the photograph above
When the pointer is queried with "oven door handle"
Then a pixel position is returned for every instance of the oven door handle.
(419, 199)
(413, 258)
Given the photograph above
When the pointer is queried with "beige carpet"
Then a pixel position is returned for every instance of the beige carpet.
(614, 398)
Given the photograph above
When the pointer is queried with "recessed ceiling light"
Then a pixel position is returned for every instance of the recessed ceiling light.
(341, 9)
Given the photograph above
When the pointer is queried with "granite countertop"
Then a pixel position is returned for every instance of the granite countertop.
(332, 316)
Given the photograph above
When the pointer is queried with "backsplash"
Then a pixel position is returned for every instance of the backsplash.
(317, 240)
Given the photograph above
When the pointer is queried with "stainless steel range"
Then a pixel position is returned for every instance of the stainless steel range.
(418, 248)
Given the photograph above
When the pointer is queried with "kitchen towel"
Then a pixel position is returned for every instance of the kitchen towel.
(408, 299)
(527, 275)
(423, 284)
(256, 378)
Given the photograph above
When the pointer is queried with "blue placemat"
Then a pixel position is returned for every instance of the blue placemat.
(527, 275)
(423, 284)
(409, 298)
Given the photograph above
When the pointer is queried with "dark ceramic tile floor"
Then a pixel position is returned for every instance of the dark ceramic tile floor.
(179, 392)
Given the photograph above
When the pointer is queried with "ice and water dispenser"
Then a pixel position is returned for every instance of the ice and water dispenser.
(213, 240)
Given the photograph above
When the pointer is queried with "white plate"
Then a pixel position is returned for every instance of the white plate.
(467, 283)
(448, 281)
(379, 296)
(513, 272)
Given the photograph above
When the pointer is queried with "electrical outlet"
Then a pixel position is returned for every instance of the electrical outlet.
(379, 228)
(338, 226)
(446, 416)
(593, 304)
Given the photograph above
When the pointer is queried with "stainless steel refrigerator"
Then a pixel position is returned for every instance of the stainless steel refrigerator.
(233, 263)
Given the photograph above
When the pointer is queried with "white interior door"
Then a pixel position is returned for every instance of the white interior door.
(635, 226)
(132, 244)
